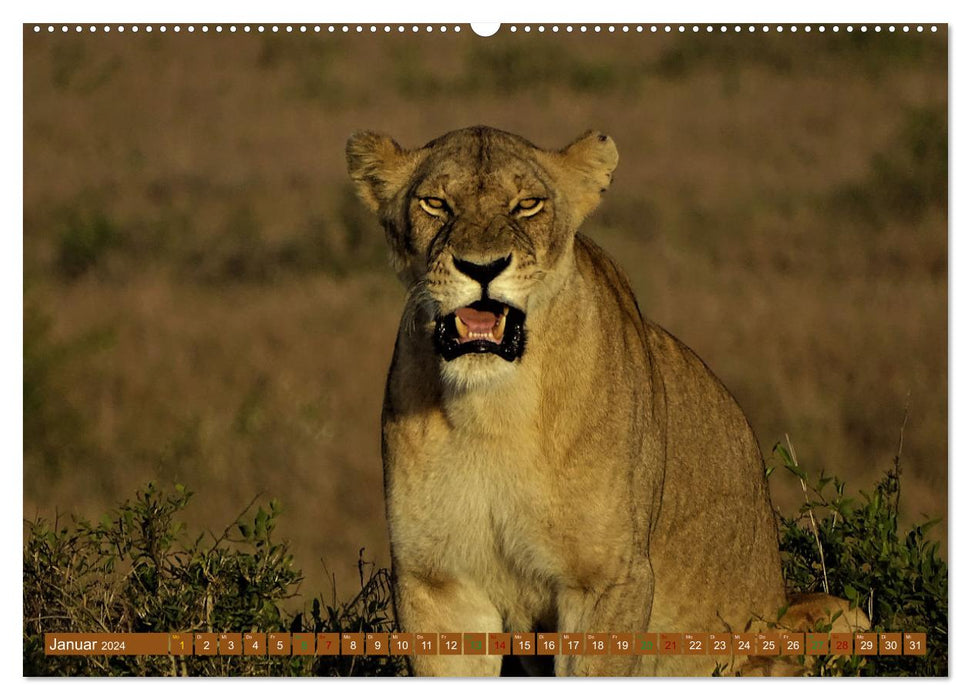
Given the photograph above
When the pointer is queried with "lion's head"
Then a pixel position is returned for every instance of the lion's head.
(481, 225)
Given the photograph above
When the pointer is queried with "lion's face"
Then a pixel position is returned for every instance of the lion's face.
(481, 227)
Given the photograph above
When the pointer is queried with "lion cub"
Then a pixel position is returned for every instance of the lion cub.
(552, 461)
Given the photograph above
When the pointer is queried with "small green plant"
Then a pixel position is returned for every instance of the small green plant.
(138, 570)
(852, 548)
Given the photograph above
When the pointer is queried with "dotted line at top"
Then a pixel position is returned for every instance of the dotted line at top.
(414, 28)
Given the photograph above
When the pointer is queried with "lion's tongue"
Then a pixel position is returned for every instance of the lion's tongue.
(477, 321)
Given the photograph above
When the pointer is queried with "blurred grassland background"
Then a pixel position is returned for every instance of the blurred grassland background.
(206, 302)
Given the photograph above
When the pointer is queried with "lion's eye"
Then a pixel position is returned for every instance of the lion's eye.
(433, 205)
(528, 207)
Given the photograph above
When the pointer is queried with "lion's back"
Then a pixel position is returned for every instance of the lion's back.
(714, 543)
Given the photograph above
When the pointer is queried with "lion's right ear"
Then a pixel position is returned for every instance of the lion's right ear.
(378, 166)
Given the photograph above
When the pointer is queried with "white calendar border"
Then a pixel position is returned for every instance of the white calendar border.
(439, 11)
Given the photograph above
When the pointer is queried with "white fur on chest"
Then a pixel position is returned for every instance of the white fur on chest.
(478, 494)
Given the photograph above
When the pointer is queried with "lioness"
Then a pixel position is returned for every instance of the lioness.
(552, 461)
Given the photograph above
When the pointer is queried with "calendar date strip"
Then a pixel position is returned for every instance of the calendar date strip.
(772, 643)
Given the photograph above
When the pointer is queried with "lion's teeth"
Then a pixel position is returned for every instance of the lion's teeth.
(462, 329)
(500, 327)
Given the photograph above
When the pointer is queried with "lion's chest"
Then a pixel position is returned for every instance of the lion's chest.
(469, 504)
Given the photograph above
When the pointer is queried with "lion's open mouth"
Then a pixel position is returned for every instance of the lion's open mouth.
(485, 326)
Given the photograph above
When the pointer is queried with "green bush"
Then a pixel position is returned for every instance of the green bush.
(851, 548)
(138, 571)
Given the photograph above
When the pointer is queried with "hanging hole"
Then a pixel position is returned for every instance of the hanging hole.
(485, 28)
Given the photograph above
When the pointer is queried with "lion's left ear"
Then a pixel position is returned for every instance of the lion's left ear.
(587, 167)
(379, 167)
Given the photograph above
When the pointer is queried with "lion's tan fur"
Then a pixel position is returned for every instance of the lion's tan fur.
(605, 481)
(806, 613)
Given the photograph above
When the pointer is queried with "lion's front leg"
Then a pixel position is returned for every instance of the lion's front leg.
(447, 606)
(612, 607)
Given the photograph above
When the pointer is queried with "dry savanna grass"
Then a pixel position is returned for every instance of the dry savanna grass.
(206, 302)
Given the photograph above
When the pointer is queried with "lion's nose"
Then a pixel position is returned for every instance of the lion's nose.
(483, 274)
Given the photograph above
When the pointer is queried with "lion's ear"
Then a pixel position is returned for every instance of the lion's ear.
(378, 166)
(587, 166)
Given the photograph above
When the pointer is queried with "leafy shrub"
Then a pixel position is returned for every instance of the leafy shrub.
(851, 548)
(138, 571)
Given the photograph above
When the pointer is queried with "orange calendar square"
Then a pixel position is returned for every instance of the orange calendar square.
(915, 643)
(645, 643)
(767, 644)
(744, 643)
(891, 643)
(571, 643)
(376, 644)
(205, 643)
(841, 644)
(792, 643)
(278, 643)
(180, 644)
(817, 643)
(426, 643)
(254, 644)
(352, 644)
(671, 643)
(500, 643)
(230, 644)
(695, 644)
(720, 644)
(524, 643)
(402, 644)
(474, 643)
(303, 644)
(328, 644)
(865, 643)
(622, 643)
(596, 643)
(547, 643)
(450, 643)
